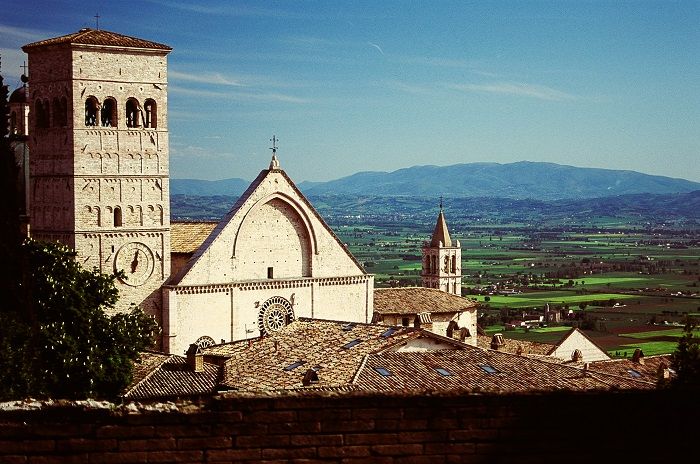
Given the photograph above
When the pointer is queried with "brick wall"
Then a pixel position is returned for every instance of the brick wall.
(623, 427)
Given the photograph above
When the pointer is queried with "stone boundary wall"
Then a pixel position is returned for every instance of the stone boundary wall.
(359, 428)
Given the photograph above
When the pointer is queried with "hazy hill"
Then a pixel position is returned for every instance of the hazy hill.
(525, 179)
(637, 208)
(515, 180)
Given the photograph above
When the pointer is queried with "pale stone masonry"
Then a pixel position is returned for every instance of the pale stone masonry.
(271, 260)
(99, 156)
(442, 260)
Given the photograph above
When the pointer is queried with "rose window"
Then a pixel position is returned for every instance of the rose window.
(274, 315)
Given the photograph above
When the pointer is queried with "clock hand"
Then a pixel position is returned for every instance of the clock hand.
(135, 262)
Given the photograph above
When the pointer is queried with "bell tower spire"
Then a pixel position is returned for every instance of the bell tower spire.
(442, 259)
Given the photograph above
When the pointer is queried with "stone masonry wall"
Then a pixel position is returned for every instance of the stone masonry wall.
(570, 428)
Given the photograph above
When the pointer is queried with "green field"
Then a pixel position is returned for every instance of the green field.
(539, 299)
(648, 348)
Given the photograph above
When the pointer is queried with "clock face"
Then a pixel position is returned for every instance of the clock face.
(135, 260)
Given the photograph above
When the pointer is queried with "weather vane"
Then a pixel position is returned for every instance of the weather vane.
(274, 164)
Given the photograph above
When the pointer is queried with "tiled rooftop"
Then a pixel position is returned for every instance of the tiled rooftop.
(630, 369)
(186, 237)
(477, 370)
(158, 375)
(413, 300)
(514, 346)
(89, 36)
(334, 349)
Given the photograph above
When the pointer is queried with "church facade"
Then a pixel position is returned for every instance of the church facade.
(99, 183)
(271, 260)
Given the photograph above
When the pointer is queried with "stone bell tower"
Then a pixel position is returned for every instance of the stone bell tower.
(98, 143)
(442, 260)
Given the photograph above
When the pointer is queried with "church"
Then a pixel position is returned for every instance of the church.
(95, 118)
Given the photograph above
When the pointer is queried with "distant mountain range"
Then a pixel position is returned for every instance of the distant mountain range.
(521, 180)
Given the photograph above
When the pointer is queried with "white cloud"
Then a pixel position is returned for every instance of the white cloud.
(205, 78)
(237, 95)
(521, 89)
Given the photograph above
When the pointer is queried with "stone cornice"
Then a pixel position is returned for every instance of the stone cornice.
(270, 284)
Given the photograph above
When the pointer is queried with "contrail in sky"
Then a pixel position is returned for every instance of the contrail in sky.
(376, 46)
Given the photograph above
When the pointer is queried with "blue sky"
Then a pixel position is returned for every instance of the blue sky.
(381, 85)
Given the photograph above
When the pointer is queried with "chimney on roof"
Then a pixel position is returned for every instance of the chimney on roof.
(497, 342)
(310, 377)
(195, 359)
(586, 366)
(577, 356)
(663, 373)
(638, 356)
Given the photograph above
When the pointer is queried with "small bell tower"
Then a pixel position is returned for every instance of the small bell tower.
(442, 260)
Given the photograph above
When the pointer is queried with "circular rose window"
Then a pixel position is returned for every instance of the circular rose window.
(274, 314)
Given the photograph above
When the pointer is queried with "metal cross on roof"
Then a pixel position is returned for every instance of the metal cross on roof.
(440, 202)
(97, 21)
(274, 147)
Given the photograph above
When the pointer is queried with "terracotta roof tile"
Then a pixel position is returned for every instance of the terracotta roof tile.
(630, 369)
(186, 237)
(158, 375)
(414, 300)
(336, 349)
(468, 370)
(89, 36)
(515, 346)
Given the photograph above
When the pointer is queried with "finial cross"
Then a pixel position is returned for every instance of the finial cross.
(440, 202)
(274, 141)
(24, 68)
(97, 21)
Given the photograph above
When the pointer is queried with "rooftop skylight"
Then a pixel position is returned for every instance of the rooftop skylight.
(634, 373)
(294, 365)
(389, 332)
(443, 372)
(383, 372)
(350, 344)
(349, 326)
(489, 369)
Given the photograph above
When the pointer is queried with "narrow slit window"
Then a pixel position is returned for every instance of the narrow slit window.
(117, 217)
(270, 272)
(404, 322)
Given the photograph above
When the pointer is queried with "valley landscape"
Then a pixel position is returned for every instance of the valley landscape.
(624, 268)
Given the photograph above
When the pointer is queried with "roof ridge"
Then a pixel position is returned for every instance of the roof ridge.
(166, 358)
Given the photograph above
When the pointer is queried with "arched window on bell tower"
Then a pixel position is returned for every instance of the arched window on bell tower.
(91, 106)
(150, 114)
(108, 113)
(132, 113)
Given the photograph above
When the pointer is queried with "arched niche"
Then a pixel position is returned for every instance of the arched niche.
(275, 235)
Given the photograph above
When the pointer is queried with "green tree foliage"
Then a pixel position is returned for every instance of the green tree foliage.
(686, 361)
(61, 343)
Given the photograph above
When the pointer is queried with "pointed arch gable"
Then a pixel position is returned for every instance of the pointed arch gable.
(296, 207)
